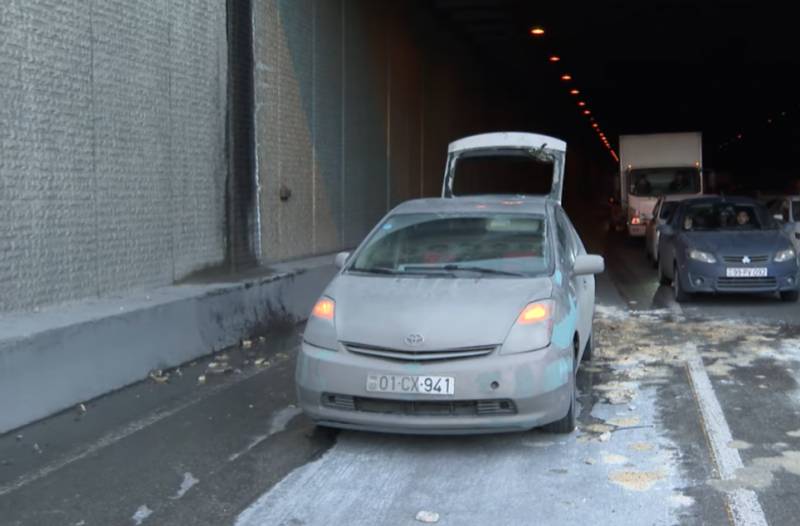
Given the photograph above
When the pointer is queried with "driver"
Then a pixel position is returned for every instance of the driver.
(742, 218)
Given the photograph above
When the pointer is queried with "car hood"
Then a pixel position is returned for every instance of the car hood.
(448, 313)
(733, 243)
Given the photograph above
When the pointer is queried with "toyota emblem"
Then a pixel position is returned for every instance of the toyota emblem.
(412, 340)
(746, 260)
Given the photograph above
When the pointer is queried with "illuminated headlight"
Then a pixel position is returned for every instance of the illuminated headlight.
(532, 330)
(785, 255)
(320, 328)
(699, 255)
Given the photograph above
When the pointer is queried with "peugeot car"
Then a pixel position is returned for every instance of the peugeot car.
(458, 314)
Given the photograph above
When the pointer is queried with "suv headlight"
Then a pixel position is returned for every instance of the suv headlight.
(785, 255)
(320, 328)
(532, 330)
(699, 255)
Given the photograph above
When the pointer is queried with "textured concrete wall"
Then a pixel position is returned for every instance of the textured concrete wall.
(356, 101)
(112, 133)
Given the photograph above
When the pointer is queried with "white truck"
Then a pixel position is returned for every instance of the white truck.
(653, 165)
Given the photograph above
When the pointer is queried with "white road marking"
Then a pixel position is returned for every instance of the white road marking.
(743, 504)
(119, 434)
(278, 423)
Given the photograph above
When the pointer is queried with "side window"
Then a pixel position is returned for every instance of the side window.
(565, 245)
(785, 212)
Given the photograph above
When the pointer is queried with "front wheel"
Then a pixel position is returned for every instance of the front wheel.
(570, 421)
(588, 351)
(790, 295)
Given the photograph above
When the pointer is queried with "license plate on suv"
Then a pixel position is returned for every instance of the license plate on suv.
(746, 272)
(406, 384)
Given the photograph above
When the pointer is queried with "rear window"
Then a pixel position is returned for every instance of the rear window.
(427, 243)
(510, 173)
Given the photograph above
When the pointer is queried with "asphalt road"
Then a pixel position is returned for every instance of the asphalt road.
(690, 415)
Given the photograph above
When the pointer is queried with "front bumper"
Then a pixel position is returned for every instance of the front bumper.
(705, 277)
(537, 383)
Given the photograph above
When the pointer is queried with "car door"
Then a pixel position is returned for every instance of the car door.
(790, 210)
(580, 288)
(652, 226)
(667, 240)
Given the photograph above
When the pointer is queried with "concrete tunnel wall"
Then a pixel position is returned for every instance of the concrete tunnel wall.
(355, 104)
(112, 133)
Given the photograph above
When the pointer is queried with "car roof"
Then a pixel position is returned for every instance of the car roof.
(522, 204)
(680, 197)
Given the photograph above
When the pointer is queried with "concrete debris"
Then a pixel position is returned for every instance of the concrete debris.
(218, 368)
(201, 379)
(261, 362)
(794, 434)
(610, 458)
(589, 461)
(681, 500)
(604, 437)
(624, 422)
(739, 444)
(178, 372)
(223, 357)
(37, 448)
(640, 446)
(186, 485)
(159, 376)
(19, 438)
(141, 514)
(636, 480)
(598, 428)
(262, 339)
(81, 409)
(247, 344)
(428, 517)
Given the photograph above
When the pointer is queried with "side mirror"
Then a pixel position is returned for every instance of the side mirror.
(341, 259)
(666, 230)
(588, 264)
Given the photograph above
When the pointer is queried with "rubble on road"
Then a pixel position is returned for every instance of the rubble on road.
(247, 344)
(201, 379)
(428, 517)
(159, 376)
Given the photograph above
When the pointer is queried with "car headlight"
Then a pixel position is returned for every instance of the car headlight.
(320, 328)
(532, 329)
(785, 255)
(699, 255)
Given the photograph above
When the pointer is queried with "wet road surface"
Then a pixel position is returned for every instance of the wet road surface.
(690, 415)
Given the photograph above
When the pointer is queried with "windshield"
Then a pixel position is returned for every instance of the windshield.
(504, 172)
(447, 244)
(726, 216)
(651, 182)
(667, 209)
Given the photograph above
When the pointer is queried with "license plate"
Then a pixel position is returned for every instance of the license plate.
(430, 385)
(739, 272)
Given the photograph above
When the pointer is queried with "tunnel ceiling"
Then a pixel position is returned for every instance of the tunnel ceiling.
(720, 67)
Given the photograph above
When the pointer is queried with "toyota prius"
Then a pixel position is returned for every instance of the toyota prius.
(457, 314)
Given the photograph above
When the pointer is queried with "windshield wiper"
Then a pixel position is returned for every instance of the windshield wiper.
(469, 268)
(376, 270)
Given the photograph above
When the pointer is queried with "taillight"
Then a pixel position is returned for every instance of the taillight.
(324, 309)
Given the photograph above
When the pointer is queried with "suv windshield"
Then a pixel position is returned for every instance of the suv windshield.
(726, 216)
(649, 182)
(495, 245)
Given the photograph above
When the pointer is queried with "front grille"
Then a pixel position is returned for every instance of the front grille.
(761, 258)
(746, 283)
(419, 356)
(420, 407)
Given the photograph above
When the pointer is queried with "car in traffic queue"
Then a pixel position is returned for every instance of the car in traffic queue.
(459, 314)
(726, 244)
(786, 210)
(662, 211)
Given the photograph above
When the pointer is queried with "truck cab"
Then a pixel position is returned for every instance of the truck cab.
(655, 165)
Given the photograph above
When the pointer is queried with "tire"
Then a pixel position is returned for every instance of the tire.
(588, 351)
(567, 424)
(681, 295)
(790, 295)
(662, 278)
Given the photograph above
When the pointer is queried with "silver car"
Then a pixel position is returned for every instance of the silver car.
(455, 315)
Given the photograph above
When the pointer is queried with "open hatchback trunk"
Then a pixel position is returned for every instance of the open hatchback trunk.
(512, 153)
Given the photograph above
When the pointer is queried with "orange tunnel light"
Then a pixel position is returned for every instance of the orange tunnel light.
(573, 92)
(554, 58)
(566, 76)
(581, 103)
(537, 31)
